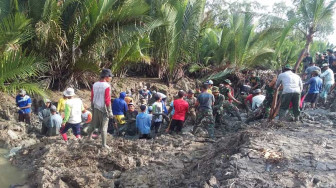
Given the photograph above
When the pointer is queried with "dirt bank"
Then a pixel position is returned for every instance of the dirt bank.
(278, 154)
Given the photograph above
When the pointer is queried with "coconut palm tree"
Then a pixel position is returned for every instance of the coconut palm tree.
(17, 66)
(175, 42)
(314, 18)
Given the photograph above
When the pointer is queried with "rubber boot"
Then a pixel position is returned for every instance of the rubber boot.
(65, 137)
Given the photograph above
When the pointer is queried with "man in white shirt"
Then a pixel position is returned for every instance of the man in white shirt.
(72, 115)
(257, 100)
(292, 88)
(328, 81)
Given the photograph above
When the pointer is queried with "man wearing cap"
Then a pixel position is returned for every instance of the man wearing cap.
(292, 88)
(227, 91)
(130, 118)
(23, 102)
(328, 81)
(258, 99)
(218, 107)
(209, 83)
(55, 122)
(72, 115)
(315, 87)
(44, 116)
(191, 100)
(205, 102)
(101, 105)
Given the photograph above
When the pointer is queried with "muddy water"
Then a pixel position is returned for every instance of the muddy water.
(9, 175)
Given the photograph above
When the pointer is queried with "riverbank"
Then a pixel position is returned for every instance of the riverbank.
(262, 154)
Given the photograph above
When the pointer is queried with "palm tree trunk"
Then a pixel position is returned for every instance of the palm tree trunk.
(309, 39)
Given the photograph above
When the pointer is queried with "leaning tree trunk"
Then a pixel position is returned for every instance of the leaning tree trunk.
(309, 39)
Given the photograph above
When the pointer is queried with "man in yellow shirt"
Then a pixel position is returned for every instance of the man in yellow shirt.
(61, 105)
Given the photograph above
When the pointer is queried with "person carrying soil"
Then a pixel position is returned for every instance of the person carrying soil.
(328, 82)
(119, 108)
(191, 100)
(23, 103)
(143, 123)
(292, 88)
(44, 116)
(72, 115)
(181, 108)
(218, 110)
(130, 118)
(227, 91)
(255, 81)
(61, 104)
(55, 122)
(315, 87)
(205, 102)
(86, 119)
(101, 105)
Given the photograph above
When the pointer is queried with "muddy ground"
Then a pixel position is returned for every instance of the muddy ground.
(262, 154)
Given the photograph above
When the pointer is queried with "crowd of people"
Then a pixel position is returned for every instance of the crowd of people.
(203, 107)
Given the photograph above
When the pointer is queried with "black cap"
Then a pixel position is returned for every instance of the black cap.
(106, 73)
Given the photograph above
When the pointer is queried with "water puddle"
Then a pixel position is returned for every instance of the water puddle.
(9, 175)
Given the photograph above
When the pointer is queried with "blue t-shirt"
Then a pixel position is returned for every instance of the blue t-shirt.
(205, 100)
(315, 85)
(22, 102)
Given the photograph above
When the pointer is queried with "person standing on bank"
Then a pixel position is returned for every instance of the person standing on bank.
(101, 105)
(23, 102)
(292, 88)
(72, 115)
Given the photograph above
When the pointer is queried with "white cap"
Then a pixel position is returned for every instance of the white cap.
(69, 92)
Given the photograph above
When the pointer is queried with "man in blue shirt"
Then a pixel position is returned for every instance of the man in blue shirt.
(143, 123)
(23, 102)
(331, 57)
(315, 87)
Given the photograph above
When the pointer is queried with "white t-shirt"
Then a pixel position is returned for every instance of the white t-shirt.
(257, 101)
(157, 109)
(76, 106)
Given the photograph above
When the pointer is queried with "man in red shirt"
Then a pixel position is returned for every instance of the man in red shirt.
(181, 108)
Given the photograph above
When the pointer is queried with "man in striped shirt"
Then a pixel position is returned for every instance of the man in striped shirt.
(101, 105)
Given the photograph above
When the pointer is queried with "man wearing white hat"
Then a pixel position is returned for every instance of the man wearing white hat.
(101, 105)
(72, 114)
(23, 102)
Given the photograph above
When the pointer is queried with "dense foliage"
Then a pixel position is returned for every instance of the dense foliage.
(66, 42)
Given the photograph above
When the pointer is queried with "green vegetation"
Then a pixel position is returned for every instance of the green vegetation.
(69, 41)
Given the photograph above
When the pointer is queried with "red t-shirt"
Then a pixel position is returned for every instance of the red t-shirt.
(181, 108)
(249, 98)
